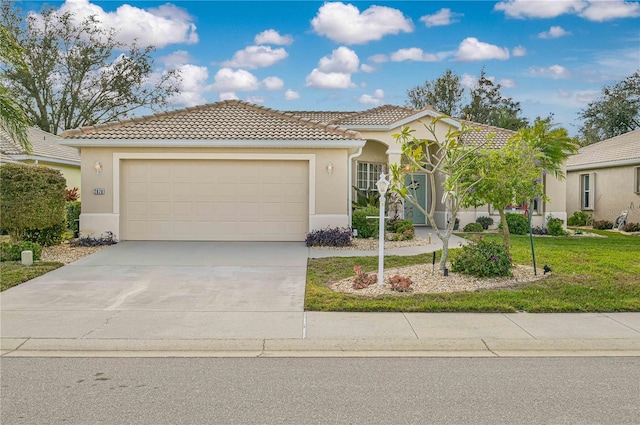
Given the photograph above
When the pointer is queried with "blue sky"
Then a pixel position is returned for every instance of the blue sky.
(553, 56)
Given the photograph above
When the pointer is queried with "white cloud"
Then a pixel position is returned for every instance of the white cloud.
(375, 99)
(175, 59)
(228, 96)
(554, 32)
(413, 54)
(273, 83)
(343, 23)
(160, 26)
(469, 81)
(507, 83)
(519, 51)
(255, 99)
(253, 57)
(273, 37)
(440, 18)
(227, 80)
(471, 49)
(539, 8)
(379, 58)
(341, 59)
(366, 68)
(291, 95)
(555, 72)
(192, 85)
(330, 80)
(600, 11)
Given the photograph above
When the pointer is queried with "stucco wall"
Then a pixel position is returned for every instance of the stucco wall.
(613, 193)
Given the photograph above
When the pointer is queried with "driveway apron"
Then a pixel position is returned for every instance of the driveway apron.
(166, 290)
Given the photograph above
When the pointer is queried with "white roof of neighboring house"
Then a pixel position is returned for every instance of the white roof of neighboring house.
(617, 151)
(44, 147)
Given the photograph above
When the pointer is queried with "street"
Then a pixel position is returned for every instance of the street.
(575, 390)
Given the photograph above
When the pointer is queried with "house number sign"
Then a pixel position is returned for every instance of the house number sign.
(98, 191)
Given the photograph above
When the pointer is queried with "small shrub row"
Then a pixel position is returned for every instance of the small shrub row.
(485, 221)
(482, 258)
(366, 227)
(400, 283)
(473, 228)
(555, 226)
(12, 251)
(362, 280)
(579, 218)
(602, 224)
(631, 227)
(338, 236)
(48, 236)
(107, 239)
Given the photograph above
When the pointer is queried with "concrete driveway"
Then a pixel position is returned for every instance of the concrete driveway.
(165, 290)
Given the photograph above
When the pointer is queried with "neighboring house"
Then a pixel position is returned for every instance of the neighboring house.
(45, 150)
(603, 179)
(232, 170)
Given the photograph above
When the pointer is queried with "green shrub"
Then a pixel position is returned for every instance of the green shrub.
(482, 258)
(485, 221)
(602, 225)
(579, 218)
(366, 227)
(518, 224)
(631, 227)
(12, 251)
(73, 214)
(555, 226)
(403, 230)
(31, 197)
(473, 227)
(52, 235)
(334, 236)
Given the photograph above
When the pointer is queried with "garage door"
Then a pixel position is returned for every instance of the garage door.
(214, 200)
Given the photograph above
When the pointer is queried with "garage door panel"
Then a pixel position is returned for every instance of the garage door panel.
(214, 200)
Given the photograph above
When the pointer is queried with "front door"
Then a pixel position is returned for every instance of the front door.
(417, 186)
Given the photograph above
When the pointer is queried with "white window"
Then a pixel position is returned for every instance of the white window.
(369, 174)
(587, 191)
(637, 180)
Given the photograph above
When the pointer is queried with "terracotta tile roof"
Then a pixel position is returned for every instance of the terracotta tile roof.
(482, 131)
(225, 120)
(382, 115)
(330, 117)
(43, 144)
(619, 148)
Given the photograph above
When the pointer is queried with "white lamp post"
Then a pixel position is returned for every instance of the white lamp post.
(382, 185)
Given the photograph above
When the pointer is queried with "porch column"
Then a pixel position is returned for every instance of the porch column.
(394, 156)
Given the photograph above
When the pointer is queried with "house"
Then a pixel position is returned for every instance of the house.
(45, 150)
(232, 170)
(603, 179)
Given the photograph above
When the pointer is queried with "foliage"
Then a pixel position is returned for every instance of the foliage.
(31, 197)
(366, 227)
(487, 106)
(400, 283)
(13, 120)
(72, 195)
(402, 230)
(107, 239)
(361, 279)
(555, 226)
(516, 223)
(602, 224)
(12, 251)
(482, 258)
(73, 210)
(538, 230)
(579, 218)
(485, 221)
(366, 198)
(48, 236)
(75, 73)
(447, 159)
(336, 236)
(444, 94)
(631, 227)
(473, 227)
(616, 112)
(14, 273)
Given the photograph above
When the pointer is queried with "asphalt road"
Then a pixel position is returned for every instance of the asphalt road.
(320, 391)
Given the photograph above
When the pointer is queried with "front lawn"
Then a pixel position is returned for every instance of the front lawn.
(589, 275)
(14, 273)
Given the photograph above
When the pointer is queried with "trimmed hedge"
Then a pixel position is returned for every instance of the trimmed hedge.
(12, 251)
(473, 228)
(518, 224)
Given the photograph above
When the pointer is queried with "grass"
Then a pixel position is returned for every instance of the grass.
(589, 275)
(14, 273)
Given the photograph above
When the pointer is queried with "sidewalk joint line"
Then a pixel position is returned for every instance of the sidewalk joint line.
(18, 347)
(410, 325)
(525, 331)
(490, 350)
(623, 324)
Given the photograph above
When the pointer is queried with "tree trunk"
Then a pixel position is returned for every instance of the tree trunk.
(505, 228)
(445, 250)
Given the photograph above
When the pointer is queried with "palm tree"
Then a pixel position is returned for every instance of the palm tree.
(13, 120)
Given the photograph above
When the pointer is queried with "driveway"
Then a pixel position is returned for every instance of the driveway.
(166, 290)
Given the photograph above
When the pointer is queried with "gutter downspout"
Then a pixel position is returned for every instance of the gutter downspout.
(350, 180)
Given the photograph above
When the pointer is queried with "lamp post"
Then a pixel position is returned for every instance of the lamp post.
(382, 185)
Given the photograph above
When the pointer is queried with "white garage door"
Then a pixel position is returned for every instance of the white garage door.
(214, 200)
